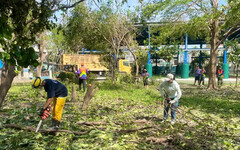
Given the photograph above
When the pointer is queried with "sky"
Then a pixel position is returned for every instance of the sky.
(129, 5)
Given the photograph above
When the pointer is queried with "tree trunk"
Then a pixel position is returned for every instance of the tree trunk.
(170, 68)
(237, 76)
(137, 71)
(8, 74)
(74, 93)
(41, 47)
(212, 68)
(136, 63)
(90, 93)
(117, 62)
(113, 72)
(213, 55)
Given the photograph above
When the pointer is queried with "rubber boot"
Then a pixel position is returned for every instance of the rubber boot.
(55, 125)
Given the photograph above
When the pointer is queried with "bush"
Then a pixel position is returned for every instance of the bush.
(125, 78)
(62, 76)
(68, 75)
(91, 77)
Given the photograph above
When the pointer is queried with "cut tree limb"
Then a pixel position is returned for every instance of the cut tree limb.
(27, 128)
(134, 130)
(74, 93)
(162, 140)
(91, 123)
(90, 93)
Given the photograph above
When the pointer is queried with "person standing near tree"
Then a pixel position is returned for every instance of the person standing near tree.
(145, 76)
(202, 76)
(171, 96)
(220, 72)
(56, 92)
(82, 74)
(197, 75)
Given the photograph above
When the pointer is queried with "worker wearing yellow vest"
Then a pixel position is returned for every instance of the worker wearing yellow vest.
(220, 72)
(82, 74)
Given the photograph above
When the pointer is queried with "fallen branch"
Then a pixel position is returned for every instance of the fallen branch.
(88, 123)
(134, 130)
(91, 123)
(162, 140)
(27, 128)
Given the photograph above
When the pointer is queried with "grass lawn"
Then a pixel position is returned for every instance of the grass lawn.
(126, 116)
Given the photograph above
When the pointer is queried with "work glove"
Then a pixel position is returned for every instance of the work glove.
(166, 98)
(172, 101)
(41, 112)
(44, 113)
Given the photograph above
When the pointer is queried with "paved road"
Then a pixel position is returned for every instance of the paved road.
(191, 80)
(180, 80)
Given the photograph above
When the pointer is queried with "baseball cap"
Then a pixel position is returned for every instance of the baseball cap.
(169, 77)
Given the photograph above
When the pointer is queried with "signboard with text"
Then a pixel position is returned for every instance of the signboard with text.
(92, 62)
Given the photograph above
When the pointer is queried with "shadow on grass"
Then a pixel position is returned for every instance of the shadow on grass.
(109, 86)
(216, 105)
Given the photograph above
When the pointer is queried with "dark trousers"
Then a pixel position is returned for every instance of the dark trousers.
(220, 80)
(201, 80)
(84, 84)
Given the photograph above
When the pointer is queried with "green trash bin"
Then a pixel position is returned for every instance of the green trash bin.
(185, 71)
(149, 69)
(225, 67)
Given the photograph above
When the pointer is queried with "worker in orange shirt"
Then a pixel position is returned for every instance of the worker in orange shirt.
(220, 73)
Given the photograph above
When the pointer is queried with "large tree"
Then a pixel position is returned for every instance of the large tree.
(102, 29)
(216, 21)
(20, 22)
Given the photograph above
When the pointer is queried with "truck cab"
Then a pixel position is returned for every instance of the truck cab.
(124, 66)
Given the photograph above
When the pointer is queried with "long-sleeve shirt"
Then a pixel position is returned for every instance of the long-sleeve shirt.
(82, 73)
(172, 89)
(145, 76)
(198, 72)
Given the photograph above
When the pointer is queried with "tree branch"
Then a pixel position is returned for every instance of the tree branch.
(59, 8)
(228, 33)
(182, 13)
(68, 6)
(28, 128)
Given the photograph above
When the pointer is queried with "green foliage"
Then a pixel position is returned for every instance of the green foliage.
(57, 45)
(20, 21)
(64, 76)
(142, 57)
(207, 120)
(167, 52)
(194, 18)
(91, 77)
(208, 20)
(234, 53)
(81, 31)
(125, 78)
(104, 30)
